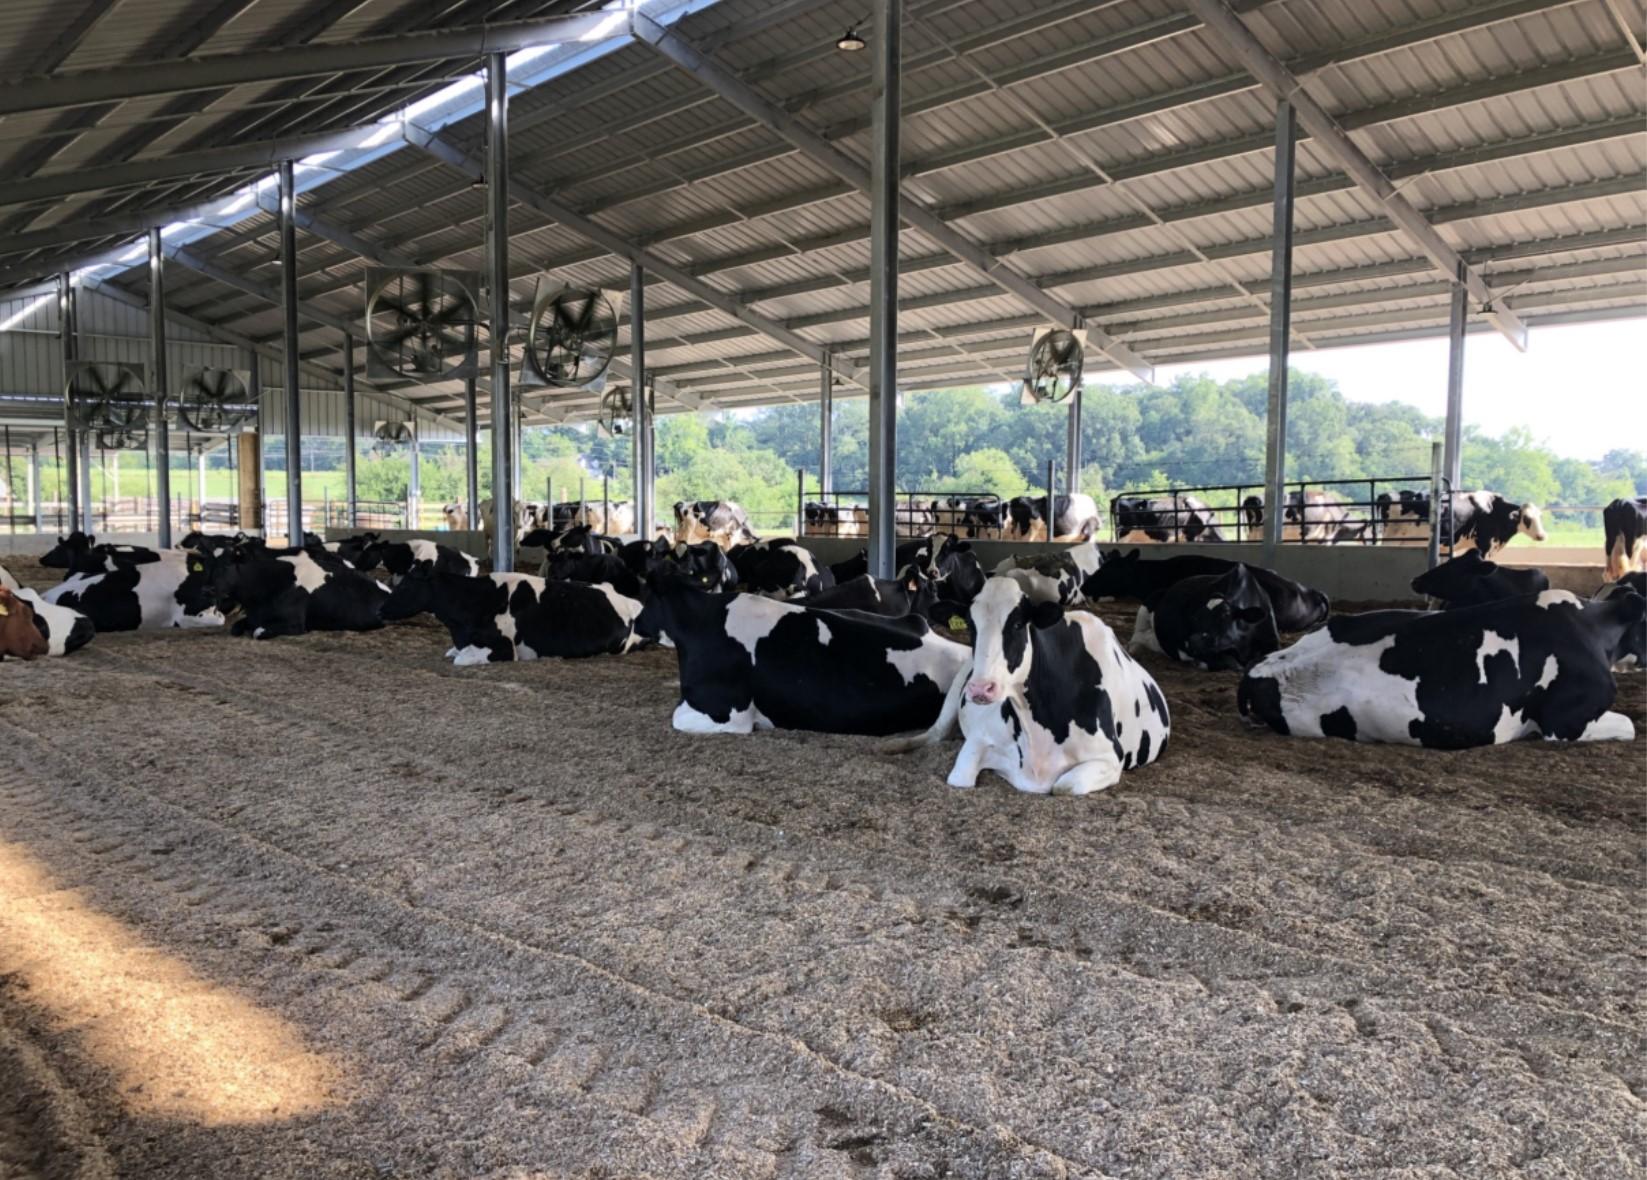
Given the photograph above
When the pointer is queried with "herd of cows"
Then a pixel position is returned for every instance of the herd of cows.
(1044, 693)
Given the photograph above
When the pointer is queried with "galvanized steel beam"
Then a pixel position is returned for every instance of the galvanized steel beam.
(683, 53)
(1275, 421)
(885, 202)
(293, 387)
(504, 425)
(83, 88)
(160, 386)
(1332, 139)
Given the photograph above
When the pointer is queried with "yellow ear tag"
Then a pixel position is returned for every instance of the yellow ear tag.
(197, 567)
(957, 623)
(5, 610)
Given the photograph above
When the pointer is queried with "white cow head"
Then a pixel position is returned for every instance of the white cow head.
(1531, 522)
(1001, 618)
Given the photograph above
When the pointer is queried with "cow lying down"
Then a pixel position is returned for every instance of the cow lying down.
(1054, 577)
(749, 662)
(19, 637)
(1050, 702)
(1538, 666)
(1218, 622)
(497, 618)
(289, 594)
(172, 591)
(1632, 653)
(64, 630)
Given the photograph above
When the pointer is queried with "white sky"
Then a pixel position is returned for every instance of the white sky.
(1580, 388)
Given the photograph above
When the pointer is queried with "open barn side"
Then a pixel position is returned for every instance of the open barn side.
(504, 918)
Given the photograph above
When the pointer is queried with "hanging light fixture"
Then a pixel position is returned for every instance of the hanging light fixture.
(850, 41)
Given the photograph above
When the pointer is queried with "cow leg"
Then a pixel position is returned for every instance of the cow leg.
(1086, 777)
(1609, 727)
(1143, 634)
(690, 720)
(967, 764)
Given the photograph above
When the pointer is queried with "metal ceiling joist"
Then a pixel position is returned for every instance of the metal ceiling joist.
(263, 154)
(687, 56)
(1336, 143)
(57, 91)
(614, 242)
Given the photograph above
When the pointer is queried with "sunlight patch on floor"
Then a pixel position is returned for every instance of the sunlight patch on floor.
(178, 1045)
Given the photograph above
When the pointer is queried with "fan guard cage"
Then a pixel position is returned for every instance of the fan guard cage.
(421, 325)
(111, 401)
(216, 401)
(571, 339)
(1053, 370)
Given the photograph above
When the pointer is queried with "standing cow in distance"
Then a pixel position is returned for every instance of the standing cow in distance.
(1319, 517)
(1486, 520)
(1159, 519)
(1074, 518)
(1624, 526)
(721, 521)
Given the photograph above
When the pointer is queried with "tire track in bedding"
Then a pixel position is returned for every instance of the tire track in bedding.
(465, 1014)
(1037, 923)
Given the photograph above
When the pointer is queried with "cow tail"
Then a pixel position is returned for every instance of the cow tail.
(941, 728)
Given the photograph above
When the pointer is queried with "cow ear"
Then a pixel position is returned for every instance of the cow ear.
(1045, 614)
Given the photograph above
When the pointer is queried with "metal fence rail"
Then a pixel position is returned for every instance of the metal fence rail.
(916, 512)
(1237, 511)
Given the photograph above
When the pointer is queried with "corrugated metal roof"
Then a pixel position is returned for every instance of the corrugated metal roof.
(1112, 151)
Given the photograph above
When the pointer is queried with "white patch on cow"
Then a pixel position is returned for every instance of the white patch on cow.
(1037, 587)
(472, 655)
(1087, 559)
(73, 586)
(1143, 634)
(689, 720)
(524, 652)
(423, 549)
(1511, 727)
(1318, 676)
(823, 633)
(257, 632)
(750, 619)
(937, 659)
(310, 575)
(1532, 522)
(1609, 727)
(1214, 603)
(7, 582)
(1492, 643)
(627, 609)
(1551, 669)
(1549, 598)
(59, 620)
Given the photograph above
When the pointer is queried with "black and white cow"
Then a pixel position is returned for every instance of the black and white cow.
(65, 630)
(1127, 575)
(969, 516)
(1539, 666)
(402, 557)
(912, 592)
(1321, 517)
(780, 567)
(593, 568)
(1624, 526)
(706, 563)
(1219, 622)
(1049, 701)
(950, 561)
(1076, 518)
(1054, 577)
(748, 662)
(1404, 517)
(482, 614)
(292, 594)
(1471, 580)
(1632, 653)
(171, 592)
(721, 521)
(1489, 522)
(79, 553)
(1142, 518)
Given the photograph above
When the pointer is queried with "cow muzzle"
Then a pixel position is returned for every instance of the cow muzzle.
(983, 692)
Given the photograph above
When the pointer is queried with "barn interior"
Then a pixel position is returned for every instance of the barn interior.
(330, 906)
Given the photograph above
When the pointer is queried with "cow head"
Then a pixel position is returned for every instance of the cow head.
(211, 584)
(1001, 619)
(1454, 579)
(1529, 519)
(1115, 577)
(706, 566)
(411, 596)
(19, 636)
(68, 550)
(1233, 625)
(1253, 509)
(982, 517)
(957, 567)
(396, 557)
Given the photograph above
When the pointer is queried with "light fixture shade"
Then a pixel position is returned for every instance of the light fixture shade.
(850, 42)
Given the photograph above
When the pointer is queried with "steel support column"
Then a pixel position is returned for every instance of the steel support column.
(1453, 459)
(35, 495)
(1072, 456)
(497, 260)
(883, 286)
(641, 472)
(351, 489)
(256, 386)
(1275, 422)
(79, 507)
(471, 452)
(826, 424)
(414, 482)
(294, 394)
(159, 387)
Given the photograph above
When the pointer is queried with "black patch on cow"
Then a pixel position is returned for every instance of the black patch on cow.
(1064, 687)
(1143, 748)
(1339, 724)
(1259, 697)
